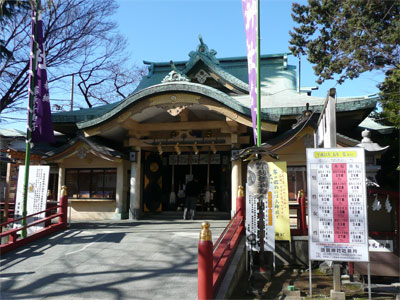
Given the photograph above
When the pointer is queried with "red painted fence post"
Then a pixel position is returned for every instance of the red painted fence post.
(63, 210)
(240, 202)
(303, 222)
(205, 264)
(241, 205)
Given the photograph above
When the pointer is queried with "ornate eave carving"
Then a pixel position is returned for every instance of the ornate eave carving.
(174, 75)
(202, 49)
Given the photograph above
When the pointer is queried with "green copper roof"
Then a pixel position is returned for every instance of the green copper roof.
(278, 88)
(274, 70)
(76, 116)
(183, 86)
(371, 124)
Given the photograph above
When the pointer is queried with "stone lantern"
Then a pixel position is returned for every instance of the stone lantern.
(373, 151)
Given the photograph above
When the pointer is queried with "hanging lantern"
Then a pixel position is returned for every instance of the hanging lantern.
(258, 178)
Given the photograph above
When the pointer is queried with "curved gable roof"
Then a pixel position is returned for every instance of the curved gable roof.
(182, 86)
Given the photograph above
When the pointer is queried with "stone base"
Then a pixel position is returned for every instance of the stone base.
(135, 214)
(292, 295)
(117, 216)
(337, 295)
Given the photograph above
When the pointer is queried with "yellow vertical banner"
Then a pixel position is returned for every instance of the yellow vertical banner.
(279, 188)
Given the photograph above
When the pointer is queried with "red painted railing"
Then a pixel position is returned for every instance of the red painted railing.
(213, 261)
(301, 212)
(14, 241)
(225, 247)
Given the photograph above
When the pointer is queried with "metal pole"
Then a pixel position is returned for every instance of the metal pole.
(369, 280)
(298, 77)
(258, 78)
(35, 12)
(310, 276)
(72, 94)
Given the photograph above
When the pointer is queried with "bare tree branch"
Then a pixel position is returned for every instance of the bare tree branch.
(79, 38)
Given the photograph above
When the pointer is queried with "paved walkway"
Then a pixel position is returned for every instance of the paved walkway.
(150, 259)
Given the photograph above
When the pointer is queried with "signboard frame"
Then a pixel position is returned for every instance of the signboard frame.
(335, 182)
(37, 195)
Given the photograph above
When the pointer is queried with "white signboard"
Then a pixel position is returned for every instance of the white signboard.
(380, 245)
(337, 210)
(37, 195)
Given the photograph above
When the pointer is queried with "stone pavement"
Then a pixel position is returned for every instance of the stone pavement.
(148, 259)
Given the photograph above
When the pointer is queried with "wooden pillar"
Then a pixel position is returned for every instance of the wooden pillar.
(236, 181)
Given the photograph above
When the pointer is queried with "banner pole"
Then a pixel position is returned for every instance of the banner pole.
(310, 276)
(258, 78)
(30, 115)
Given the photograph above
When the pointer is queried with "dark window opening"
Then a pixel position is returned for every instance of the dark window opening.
(91, 183)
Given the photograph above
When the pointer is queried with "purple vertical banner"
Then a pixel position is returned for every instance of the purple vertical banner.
(42, 125)
(250, 15)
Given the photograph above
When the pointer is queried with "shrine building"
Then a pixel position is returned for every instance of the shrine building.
(184, 120)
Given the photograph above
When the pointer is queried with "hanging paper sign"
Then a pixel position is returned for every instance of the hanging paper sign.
(195, 159)
(279, 187)
(173, 159)
(183, 159)
(269, 222)
(215, 159)
(204, 159)
(36, 198)
(338, 228)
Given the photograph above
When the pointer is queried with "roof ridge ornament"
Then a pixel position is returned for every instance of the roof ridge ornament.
(174, 75)
(202, 50)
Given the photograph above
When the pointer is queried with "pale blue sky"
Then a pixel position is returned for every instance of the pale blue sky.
(161, 30)
(164, 30)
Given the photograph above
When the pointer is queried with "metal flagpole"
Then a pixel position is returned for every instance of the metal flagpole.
(258, 78)
(35, 11)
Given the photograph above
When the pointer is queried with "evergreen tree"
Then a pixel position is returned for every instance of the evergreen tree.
(349, 37)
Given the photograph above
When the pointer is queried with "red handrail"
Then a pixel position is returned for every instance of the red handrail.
(225, 247)
(15, 242)
(29, 216)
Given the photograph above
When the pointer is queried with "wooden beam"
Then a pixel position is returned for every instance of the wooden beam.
(234, 138)
(181, 126)
(133, 142)
(129, 124)
(184, 115)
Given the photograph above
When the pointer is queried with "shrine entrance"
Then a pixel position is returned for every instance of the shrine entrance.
(166, 175)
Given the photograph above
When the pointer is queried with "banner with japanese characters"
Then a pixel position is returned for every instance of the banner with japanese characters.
(260, 232)
(337, 208)
(257, 207)
(279, 188)
(37, 195)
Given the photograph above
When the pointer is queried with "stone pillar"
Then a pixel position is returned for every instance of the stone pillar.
(61, 180)
(119, 197)
(135, 188)
(236, 180)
